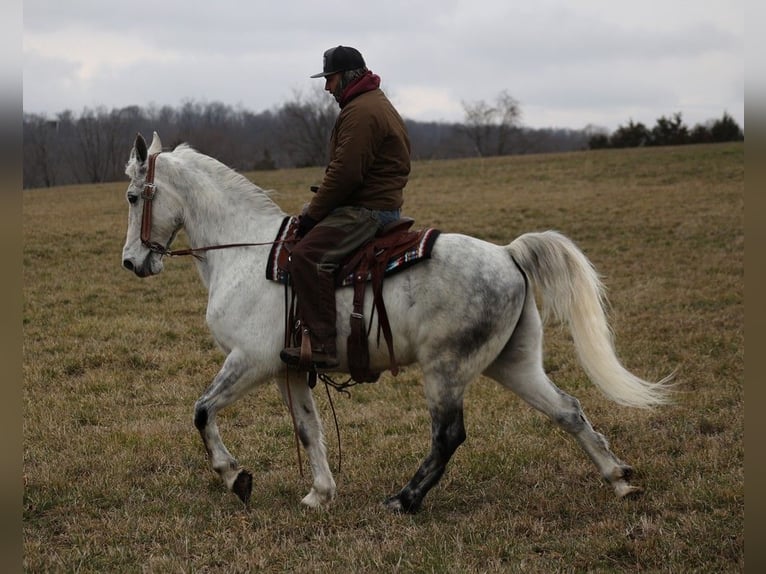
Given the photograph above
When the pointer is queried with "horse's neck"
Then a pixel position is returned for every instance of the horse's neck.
(221, 208)
(224, 222)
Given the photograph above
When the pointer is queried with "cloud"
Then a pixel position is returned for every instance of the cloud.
(593, 60)
(425, 103)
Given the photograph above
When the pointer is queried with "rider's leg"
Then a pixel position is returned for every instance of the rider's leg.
(313, 264)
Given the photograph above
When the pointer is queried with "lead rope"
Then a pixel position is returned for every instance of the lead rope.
(334, 418)
(287, 384)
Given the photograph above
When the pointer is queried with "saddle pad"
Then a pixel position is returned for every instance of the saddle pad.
(277, 262)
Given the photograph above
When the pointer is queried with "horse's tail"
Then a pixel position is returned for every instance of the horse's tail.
(571, 291)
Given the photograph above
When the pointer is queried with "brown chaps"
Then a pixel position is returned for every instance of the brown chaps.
(314, 263)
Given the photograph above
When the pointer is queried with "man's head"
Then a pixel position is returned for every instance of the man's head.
(342, 65)
(340, 59)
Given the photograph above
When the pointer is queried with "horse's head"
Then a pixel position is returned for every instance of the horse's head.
(160, 221)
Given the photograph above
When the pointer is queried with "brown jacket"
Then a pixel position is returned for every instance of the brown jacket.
(369, 158)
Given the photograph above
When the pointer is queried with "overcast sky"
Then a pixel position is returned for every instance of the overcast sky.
(569, 63)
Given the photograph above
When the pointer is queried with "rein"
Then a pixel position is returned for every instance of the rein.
(157, 248)
(150, 189)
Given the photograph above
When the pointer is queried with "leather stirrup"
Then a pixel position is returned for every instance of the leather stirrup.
(304, 364)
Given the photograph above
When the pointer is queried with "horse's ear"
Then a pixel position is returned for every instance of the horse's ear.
(139, 148)
(156, 146)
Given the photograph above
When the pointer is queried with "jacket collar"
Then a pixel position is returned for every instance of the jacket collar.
(366, 83)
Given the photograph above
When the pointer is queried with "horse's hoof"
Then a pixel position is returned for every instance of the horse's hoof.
(243, 486)
(625, 490)
(314, 500)
(395, 504)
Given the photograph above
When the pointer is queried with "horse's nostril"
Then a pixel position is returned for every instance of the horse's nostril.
(127, 264)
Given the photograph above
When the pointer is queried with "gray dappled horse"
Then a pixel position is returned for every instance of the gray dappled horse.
(469, 310)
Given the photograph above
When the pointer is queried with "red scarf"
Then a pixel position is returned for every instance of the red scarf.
(366, 83)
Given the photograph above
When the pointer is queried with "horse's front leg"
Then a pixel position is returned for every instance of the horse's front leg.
(309, 428)
(234, 380)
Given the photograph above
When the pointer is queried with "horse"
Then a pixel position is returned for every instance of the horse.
(468, 310)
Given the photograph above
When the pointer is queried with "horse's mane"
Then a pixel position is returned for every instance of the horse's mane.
(186, 160)
(226, 178)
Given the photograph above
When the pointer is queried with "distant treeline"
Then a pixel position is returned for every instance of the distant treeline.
(93, 146)
(669, 131)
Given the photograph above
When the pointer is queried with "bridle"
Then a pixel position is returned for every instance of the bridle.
(146, 215)
(150, 189)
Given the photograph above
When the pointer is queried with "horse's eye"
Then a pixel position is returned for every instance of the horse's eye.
(132, 199)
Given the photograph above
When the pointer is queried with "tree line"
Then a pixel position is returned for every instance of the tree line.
(93, 146)
(669, 131)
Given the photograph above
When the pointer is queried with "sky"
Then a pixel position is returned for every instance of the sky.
(570, 64)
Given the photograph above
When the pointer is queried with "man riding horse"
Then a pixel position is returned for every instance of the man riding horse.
(361, 192)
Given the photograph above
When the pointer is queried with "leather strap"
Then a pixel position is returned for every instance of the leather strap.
(358, 348)
(304, 363)
(148, 197)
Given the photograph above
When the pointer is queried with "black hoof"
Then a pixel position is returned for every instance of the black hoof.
(243, 486)
(398, 505)
(627, 472)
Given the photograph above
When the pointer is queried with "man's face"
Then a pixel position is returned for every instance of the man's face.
(332, 82)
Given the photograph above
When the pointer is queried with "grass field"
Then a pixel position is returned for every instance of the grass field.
(115, 474)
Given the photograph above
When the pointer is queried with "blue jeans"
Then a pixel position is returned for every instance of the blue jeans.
(385, 217)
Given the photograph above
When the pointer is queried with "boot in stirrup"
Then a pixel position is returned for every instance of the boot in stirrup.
(309, 356)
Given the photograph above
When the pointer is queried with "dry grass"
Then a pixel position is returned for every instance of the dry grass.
(115, 474)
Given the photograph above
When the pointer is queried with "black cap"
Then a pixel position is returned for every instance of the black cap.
(340, 59)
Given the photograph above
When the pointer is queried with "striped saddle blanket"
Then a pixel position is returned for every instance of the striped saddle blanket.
(401, 247)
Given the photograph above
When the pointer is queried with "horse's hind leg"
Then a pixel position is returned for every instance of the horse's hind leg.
(565, 410)
(309, 427)
(520, 369)
(231, 383)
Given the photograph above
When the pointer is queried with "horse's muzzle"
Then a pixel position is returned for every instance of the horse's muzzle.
(142, 270)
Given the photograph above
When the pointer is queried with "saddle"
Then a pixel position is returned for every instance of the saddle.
(393, 249)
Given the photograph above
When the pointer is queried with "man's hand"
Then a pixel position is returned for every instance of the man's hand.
(305, 224)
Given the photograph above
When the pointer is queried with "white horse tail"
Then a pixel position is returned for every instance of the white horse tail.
(570, 290)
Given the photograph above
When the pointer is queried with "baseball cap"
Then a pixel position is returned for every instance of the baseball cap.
(340, 59)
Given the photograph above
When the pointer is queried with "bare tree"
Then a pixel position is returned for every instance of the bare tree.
(479, 117)
(306, 123)
(92, 157)
(509, 112)
(489, 127)
(39, 150)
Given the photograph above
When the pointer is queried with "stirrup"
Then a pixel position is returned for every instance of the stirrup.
(322, 361)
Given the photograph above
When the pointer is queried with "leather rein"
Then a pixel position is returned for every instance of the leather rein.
(150, 189)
